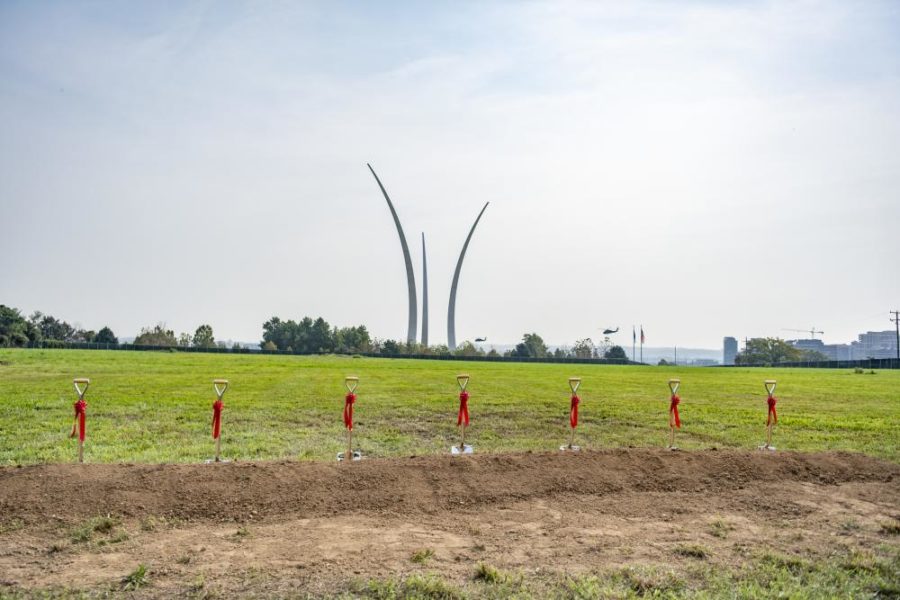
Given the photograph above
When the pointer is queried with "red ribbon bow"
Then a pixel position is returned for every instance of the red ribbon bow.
(217, 418)
(349, 399)
(772, 417)
(573, 411)
(80, 415)
(673, 411)
(463, 416)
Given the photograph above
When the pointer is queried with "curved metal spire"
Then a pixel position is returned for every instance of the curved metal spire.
(410, 278)
(451, 312)
(424, 294)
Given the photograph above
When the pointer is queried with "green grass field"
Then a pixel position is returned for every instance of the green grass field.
(156, 406)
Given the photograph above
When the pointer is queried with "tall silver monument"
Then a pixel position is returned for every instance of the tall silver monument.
(410, 277)
(451, 311)
(424, 294)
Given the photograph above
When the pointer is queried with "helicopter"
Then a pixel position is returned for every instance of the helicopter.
(609, 330)
(481, 339)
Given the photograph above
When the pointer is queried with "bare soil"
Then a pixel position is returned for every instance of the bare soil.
(279, 527)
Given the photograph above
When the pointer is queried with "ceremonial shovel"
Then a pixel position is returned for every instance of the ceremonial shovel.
(771, 415)
(80, 411)
(674, 420)
(574, 383)
(351, 383)
(462, 419)
(217, 417)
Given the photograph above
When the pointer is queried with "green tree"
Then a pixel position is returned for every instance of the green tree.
(52, 328)
(467, 348)
(203, 337)
(583, 348)
(531, 346)
(84, 335)
(767, 351)
(157, 335)
(105, 336)
(390, 348)
(14, 329)
(616, 353)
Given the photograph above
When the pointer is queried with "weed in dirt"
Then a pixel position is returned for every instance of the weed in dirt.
(850, 526)
(136, 579)
(490, 574)
(85, 532)
(692, 551)
(479, 547)
(149, 523)
(792, 564)
(720, 529)
(11, 526)
(891, 527)
(120, 537)
(650, 582)
(240, 534)
(56, 548)
(414, 586)
(422, 556)
(185, 559)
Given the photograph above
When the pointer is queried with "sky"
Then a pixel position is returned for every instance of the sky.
(701, 168)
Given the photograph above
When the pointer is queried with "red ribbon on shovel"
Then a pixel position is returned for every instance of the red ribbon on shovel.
(217, 418)
(463, 416)
(573, 411)
(673, 409)
(772, 417)
(349, 399)
(80, 416)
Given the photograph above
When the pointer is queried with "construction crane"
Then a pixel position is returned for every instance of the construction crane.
(811, 331)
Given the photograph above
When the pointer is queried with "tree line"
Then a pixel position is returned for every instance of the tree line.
(306, 336)
(16, 330)
(317, 336)
(770, 351)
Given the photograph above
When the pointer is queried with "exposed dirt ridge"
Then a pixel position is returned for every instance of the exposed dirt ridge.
(420, 485)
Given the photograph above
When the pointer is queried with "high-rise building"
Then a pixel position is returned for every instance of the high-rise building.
(875, 344)
(729, 351)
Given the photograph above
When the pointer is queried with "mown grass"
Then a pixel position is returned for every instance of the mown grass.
(156, 406)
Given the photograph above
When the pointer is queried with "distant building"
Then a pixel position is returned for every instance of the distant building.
(813, 345)
(703, 362)
(875, 344)
(837, 351)
(729, 351)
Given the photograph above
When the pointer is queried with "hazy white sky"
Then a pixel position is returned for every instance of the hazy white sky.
(703, 168)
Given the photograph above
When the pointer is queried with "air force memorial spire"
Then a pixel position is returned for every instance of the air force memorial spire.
(451, 310)
(411, 278)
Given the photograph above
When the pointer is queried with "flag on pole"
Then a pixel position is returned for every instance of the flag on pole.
(633, 335)
(642, 334)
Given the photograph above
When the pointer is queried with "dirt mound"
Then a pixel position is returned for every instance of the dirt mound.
(406, 487)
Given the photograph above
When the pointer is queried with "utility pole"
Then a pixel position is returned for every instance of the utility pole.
(896, 321)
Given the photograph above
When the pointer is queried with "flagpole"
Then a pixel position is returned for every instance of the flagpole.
(642, 343)
(633, 340)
